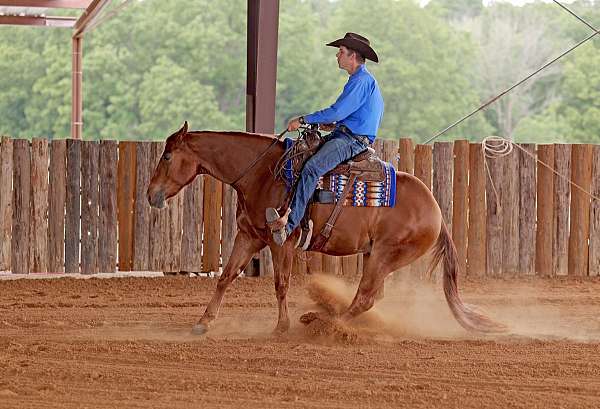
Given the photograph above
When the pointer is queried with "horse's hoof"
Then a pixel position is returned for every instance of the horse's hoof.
(199, 329)
(308, 317)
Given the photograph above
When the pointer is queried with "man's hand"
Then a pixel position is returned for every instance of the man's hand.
(294, 124)
(327, 127)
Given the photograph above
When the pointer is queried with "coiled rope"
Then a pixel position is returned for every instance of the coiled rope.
(494, 147)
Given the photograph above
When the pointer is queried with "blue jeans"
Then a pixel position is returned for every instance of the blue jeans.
(338, 148)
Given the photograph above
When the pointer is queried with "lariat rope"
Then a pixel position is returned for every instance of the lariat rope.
(497, 147)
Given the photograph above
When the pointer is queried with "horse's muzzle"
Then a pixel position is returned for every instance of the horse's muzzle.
(156, 199)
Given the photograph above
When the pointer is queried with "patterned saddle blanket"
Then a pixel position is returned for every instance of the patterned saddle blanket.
(364, 193)
(375, 185)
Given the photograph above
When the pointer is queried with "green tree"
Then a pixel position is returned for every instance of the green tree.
(169, 95)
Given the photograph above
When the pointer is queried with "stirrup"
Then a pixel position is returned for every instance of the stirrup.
(305, 236)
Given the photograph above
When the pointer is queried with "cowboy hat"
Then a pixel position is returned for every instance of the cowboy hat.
(358, 43)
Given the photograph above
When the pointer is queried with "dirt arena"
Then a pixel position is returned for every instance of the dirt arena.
(125, 343)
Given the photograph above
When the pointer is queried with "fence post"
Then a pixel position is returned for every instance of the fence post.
(562, 191)
(56, 207)
(107, 224)
(527, 209)
(581, 175)
(594, 257)
(89, 207)
(21, 247)
(72, 220)
(510, 213)
(476, 246)
(126, 203)
(545, 211)
(460, 199)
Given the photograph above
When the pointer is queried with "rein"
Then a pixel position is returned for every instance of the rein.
(262, 155)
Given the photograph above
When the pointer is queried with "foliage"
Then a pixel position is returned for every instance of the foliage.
(160, 62)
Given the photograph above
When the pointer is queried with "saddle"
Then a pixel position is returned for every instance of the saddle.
(365, 166)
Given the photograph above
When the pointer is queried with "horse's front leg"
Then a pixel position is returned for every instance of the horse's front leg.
(282, 266)
(244, 248)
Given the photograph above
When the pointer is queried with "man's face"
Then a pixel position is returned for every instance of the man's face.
(344, 58)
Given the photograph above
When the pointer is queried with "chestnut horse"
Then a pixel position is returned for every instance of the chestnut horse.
(389, 238)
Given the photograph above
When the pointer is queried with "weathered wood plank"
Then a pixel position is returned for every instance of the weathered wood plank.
(424, 164)
(107, 226)
(562, 194)
(6, 202)
(229, 229)
(594, 257)
(156, 240)
(20, 260)
(126, 203)
(581, 175)
(476, 249)
(390, 152)
(266, 263)
(193, 210)
(423, 168)
(545, 211)
(73, 214)
(213, 192)
(494, 236)
(350, 266)
(442, 179)
(332, 265)
(175, 230)
(39, 205)
(460, 202)
(57, 197)
(527, 209)
(143, 171)
(299, 265)
(314, 262)
(510, 214)
(406, 156)
(89, 207)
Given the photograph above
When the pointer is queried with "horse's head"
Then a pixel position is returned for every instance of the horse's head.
(176, 168)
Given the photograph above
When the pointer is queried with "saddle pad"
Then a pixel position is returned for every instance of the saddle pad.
(365, 194)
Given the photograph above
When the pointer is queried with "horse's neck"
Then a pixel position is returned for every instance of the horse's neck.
(228, 155)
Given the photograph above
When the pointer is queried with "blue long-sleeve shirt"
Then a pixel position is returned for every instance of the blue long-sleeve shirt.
(359, 107)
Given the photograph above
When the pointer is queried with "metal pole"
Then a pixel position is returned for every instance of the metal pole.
(76, 94)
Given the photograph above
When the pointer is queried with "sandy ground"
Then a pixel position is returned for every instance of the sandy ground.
(126, 343)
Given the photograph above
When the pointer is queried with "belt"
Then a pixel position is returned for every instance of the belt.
(364, 139)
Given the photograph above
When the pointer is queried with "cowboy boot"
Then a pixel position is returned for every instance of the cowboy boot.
(277, 224)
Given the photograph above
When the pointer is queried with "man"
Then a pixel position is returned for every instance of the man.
(356, 114)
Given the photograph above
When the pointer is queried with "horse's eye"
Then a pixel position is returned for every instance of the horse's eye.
(167, 156)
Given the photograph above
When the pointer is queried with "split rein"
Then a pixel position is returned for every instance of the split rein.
(258, 158)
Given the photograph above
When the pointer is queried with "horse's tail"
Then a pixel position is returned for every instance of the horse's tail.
(466, 315)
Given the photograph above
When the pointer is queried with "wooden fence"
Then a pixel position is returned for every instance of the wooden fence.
(80, 206)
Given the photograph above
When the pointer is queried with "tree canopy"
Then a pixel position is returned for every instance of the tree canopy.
(161, 62)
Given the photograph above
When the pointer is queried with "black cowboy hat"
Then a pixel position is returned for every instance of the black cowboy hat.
(358, 43)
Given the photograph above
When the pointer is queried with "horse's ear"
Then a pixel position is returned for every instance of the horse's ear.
(184, 128)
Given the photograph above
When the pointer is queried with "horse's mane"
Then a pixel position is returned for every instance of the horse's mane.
(234, 133)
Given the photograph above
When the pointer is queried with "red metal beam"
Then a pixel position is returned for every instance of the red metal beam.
(48, 4)
(263, 24)
(88, 16)
(38, 21)
(76, 90)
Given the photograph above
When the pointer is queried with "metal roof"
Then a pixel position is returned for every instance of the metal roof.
(40, 13)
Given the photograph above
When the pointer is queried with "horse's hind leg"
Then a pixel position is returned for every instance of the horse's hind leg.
(377, 266)
(244, 248)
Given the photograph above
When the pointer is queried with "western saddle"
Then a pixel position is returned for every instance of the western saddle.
(365, 166)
